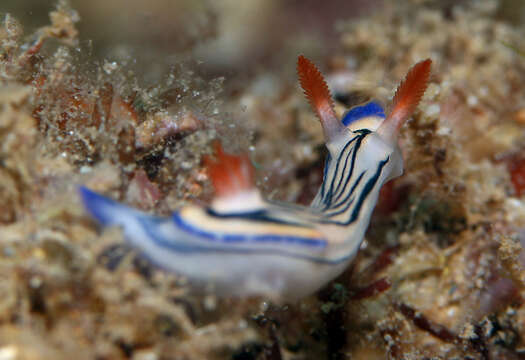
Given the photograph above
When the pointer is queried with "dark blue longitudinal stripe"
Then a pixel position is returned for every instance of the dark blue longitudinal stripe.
(338, 160)
(170, 245)
(346, 200)
(327, 198)
(354, 186)
(367, 189)
(341, 192)
(325, 171)
(362, 134)
(243, 238)
(260, 216)
(343, 210)
(346, 159)
(364, 193)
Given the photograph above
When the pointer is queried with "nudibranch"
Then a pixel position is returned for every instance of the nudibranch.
(243, 244)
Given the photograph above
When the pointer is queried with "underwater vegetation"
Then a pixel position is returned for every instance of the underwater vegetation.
(439, 273)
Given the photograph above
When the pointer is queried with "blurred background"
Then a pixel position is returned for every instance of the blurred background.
(228, 36)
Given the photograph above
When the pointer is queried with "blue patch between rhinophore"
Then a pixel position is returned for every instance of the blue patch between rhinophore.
(369, 109)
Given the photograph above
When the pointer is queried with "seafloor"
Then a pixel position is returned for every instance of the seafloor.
(441, 273)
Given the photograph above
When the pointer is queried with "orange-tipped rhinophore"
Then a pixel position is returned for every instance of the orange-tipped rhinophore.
(318, 95)
(407, 97)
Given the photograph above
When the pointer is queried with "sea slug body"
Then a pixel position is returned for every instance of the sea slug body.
(245, 245)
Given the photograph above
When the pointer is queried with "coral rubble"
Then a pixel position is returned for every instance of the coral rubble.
(441, 274)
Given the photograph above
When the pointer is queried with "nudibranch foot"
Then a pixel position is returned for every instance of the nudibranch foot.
(220, 253)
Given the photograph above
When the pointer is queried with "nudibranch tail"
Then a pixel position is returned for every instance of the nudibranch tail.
(318, 94)
(230, 174)
(106, 211)
(407, 97)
